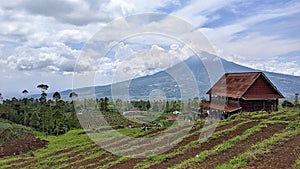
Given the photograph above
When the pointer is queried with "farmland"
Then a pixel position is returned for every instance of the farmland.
(245, 140)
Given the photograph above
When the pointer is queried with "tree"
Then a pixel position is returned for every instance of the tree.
(73, 120)
(103, 103)
(196, 102)
(34, 120)
(56, 96)
(43, 100)
(296, 102)
(73, 95)
(1, 98)
(25, 118)
(43, 87)
(25, 92)
(287, 104)
(167, 109)
(58, 119)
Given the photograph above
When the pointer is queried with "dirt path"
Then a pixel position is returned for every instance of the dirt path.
(240, 147)
(281, 156)
(132, 162)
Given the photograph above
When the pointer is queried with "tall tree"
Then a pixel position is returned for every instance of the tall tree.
(73, 95)
(58, 119)
(25, 92)
(34, 120)
(43, 100)
(43, 87)
(25, 118)
(1, 98)
(56, 96)
(296, 103)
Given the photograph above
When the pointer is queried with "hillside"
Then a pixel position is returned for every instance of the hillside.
(247, 140)
(10, 131)
(17, 139)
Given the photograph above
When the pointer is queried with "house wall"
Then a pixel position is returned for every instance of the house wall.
(233, 102)
(258, 105)
(260, 87)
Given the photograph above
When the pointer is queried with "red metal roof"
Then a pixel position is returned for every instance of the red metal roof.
(235, 85)
(220, 107)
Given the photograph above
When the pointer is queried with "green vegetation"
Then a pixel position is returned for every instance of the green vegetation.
(263, 147)
(10, 131)
(69, 146)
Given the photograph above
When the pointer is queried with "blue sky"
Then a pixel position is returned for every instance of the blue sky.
(41, 41)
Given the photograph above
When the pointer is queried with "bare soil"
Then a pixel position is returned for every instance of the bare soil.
(19, 146)
(240, 147)
(192, 152)
(169, 162)
(282, 156)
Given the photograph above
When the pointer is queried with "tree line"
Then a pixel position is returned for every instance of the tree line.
(56, 116)
(52, 116)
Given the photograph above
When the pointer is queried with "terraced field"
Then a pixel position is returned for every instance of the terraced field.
(246, 140)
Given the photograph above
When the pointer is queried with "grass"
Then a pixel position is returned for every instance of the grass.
(76, 144)
(297, 163)
(158, 159)
(221, 147)
(9, 131)
(263, 147)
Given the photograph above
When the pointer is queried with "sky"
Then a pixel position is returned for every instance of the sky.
(44, 41)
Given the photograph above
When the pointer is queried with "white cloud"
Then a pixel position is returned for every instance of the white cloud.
(130, 62)
(197, 12)
(255, 49)
(73, 35)
(55, 58)
(41, 36)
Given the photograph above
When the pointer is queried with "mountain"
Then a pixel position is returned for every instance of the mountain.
(178, 82)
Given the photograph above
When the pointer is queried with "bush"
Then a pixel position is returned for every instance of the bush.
(287, 104)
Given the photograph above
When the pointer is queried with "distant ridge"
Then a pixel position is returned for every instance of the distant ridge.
(140, 88)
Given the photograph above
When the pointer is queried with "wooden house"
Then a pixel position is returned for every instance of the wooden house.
(250, 91)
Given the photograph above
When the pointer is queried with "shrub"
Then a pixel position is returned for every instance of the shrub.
(287, 104)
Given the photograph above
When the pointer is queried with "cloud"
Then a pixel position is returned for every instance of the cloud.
(241, 43)
(197, 12)
(144, 62)
(57, 58)
(72, 12)
(82, 13)
(45, 37)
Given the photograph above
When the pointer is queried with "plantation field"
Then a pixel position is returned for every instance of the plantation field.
(245, 140)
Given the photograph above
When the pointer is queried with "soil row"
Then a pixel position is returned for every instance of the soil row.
(240, 147)
(281, 156)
